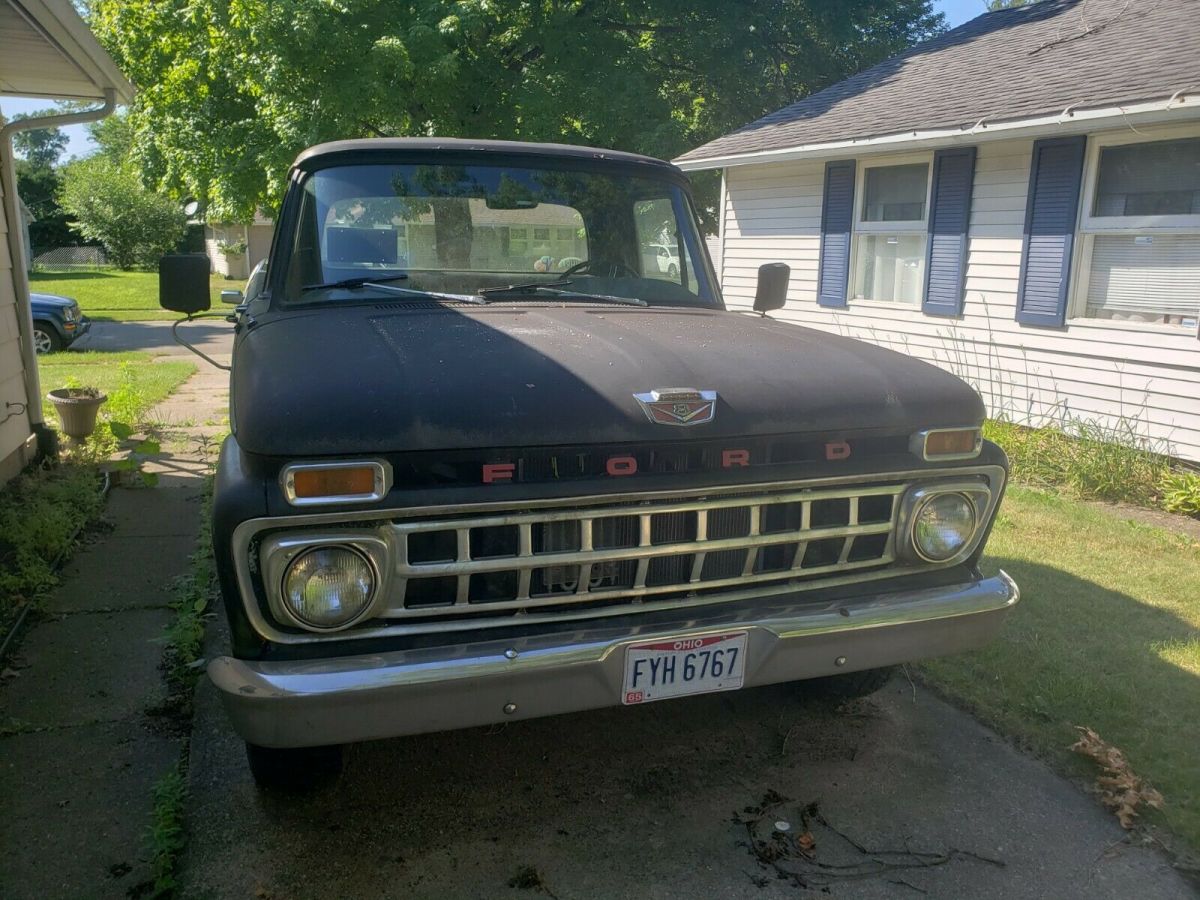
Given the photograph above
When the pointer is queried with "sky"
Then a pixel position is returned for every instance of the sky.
(956, 12)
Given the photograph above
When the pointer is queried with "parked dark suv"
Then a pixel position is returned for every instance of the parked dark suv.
(57, 322)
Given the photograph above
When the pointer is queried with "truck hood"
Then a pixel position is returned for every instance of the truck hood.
(394, 377)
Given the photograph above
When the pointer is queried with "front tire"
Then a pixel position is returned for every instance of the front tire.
(851, 686)
(45, 338)
(294, 769)
(672, 271)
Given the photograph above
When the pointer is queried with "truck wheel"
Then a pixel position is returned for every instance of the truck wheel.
(850, 686)
(45, 338)
(294, 769)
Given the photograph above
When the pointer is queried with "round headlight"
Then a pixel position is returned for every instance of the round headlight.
(328, 587)
(942, 526)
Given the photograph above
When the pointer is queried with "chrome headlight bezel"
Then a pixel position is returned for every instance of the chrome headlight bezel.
(278, 552)
(980, 494)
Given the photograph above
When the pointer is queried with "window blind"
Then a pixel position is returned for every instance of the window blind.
(1151, 274)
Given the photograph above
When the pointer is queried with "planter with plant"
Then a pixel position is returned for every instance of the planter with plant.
(77, 408)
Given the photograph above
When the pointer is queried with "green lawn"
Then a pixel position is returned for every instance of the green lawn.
(1107, 635)
(134, 382)
(110, 294)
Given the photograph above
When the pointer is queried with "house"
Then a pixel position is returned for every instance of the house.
(46, 51)
(222, 240)
(1017, 200)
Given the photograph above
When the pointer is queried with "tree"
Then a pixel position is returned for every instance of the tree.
(39, 150)
(111, 205)
(40, 147)
(233, 89)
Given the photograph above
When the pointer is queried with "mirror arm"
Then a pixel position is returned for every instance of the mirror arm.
(200, 353)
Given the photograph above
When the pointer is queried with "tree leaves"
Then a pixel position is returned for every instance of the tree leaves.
(111, 205)
(231, 90)
(1120, 789)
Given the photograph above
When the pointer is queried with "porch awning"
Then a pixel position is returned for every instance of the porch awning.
(46, 50)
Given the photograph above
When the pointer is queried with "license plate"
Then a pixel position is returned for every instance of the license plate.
(673, 668)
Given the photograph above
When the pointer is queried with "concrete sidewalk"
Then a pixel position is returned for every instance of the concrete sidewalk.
(83, 741)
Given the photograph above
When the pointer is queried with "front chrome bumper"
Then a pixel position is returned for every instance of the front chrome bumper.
(357, 698)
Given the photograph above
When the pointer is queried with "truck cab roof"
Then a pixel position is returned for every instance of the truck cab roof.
(335, 152)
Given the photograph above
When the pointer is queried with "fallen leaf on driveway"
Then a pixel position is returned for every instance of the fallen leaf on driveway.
(806, 842)
(1121, 790)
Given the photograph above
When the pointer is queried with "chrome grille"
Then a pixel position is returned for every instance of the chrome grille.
(510, 563)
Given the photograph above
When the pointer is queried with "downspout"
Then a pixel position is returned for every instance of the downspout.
(16, 248)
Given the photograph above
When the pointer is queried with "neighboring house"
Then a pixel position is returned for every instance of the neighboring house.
(45, 51)
(255, 237)
(1017, 201)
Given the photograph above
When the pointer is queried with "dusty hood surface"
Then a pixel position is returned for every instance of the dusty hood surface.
(391, 378)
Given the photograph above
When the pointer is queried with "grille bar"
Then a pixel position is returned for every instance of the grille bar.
(642, 551)
(504, 564)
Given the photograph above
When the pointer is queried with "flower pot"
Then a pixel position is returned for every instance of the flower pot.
(77, 408)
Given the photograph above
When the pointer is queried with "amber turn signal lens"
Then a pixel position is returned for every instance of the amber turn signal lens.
(340, 482)
(952, 443)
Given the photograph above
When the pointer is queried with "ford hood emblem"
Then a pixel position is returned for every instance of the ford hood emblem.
(678, 406)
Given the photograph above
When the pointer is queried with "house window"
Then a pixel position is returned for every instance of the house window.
(889, 241)
(518, 241)
(541, 235)
(1140, 233)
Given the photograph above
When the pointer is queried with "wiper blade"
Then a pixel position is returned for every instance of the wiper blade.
(380, 284)
(351, 283)
(549, 288)
(521, 288)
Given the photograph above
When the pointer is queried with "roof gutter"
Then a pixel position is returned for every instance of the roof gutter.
(1070, 119)
(16, 247)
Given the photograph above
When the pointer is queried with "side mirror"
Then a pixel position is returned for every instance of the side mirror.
(772, 287)
(233, 297)
(183, 283)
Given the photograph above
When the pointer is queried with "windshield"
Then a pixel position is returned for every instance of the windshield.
(546, 233)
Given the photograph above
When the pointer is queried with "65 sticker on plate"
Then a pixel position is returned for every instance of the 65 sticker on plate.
(675, 667)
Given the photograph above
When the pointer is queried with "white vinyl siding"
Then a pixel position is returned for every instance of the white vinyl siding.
(14, 431)
(1092, 369)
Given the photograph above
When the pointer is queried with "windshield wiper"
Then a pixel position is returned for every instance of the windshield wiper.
(351, 283)
(548, 287)
(520, 288)
(380, 284)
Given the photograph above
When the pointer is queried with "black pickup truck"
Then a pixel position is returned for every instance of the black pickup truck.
(491, 460)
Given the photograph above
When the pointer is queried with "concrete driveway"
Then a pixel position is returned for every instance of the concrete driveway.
(904, 795)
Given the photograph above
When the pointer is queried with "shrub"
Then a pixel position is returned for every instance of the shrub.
(1094, 462)
(1180, 490)
(110, 205)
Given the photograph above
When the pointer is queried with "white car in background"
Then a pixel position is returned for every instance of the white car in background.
(665, 258)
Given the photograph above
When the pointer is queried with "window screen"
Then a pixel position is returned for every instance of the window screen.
(1158, 178)
(895, 193)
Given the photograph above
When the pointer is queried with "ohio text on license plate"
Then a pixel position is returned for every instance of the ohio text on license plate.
(672, 668)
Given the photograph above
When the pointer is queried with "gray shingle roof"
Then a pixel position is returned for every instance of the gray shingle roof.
(1005, 65)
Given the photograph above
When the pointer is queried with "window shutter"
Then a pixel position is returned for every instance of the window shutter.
(1050, 214)
(837, 216)
(949, 221)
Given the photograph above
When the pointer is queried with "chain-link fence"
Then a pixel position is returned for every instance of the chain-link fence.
(69, 259)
